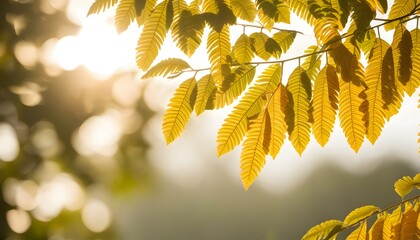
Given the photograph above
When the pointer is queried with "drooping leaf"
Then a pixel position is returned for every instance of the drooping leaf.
(299, 85)
(352, 98)
(143, 12)
(414, 81)
(382, 6)
(166, 67)
(360, 214)
(277, 111)
(404, 186)
(205, 89)
(312, 63)
(270, 12)
(100, 6)
(392, 224)
(376, 232)
(325, 103)
(236, 124)
(342, 7)
(152, 37)
(258, 40)
(399, 9)
(362, 15)
(284, 39)
(327, 30)
(125, 14)
(234, 84)
(300, 8)
(188, 30)
(243, 49)
(244, 9)
(179, 110)
(409, 222)
(326, 230)
(218, 47)
(381, 87)
(359, 233)
(255, 149)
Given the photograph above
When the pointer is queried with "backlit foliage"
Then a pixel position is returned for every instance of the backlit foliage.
(392, 223)
(332, 80)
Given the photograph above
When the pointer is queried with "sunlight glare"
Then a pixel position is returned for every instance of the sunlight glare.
(66, 53)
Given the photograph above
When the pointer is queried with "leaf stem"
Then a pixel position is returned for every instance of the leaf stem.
(261, 27)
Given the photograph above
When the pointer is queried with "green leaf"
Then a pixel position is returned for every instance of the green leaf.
(359, 214)
(205, 90)
(323, 231)
(179, 110)
(101, 5)
(152, 37)
(166, 67)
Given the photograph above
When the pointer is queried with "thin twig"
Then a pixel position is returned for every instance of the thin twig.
(262, 27)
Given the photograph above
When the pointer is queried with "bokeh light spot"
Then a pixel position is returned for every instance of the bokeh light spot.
(18, 220)
(96, 216)
(9, 145)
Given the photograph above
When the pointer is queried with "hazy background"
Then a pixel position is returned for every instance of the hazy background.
(82, 155)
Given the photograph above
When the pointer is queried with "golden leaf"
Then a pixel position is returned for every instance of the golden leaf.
(205, 89)
(359, 214)
(218, 47)
(277, 109)
(399, 9)
(179, 110)
(166, 67)
(125, 14)
(359, 233)
(244, 9)
(101, 5)
(242, 49)
(326, 230)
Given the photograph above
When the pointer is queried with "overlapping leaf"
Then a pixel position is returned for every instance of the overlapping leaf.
(236, 124)
(205, 94)
(244, 9)
(270, 12)
(277, 108)
(414, 81)
(243, 49)
(399, 9)
(258, 40)
(380, 81)
(151, 39)
(352, 98)
(234, 84)
(312, 63)
(255, 148)
(376, 232)
(144, 12)
(218, 47)
(284, 39)
(300, 8)
(299, 85)
(325, 103)
(359, 233)
(101, 5)
(409, 222)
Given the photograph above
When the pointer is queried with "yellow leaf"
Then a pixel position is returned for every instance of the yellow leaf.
(101, 5)
(270, 12)
(258, 40)
(145, 12)
(376, 231)
(299, 85)
(417, 210)
(218, 47)
(205, 90)
(381, 87)
(352, 98)
(255, 149)
(360, 214)
(125, 14)
(187, 31)
(326, 30)
(326, 230)
(179, 110)
(166, 67)
(409, 222)
(284, 39)
(151, 39)
(243, 50)
(399, 9)
(244, 9)
(392, 225)
(234, 85)
(414, 82)
(359, 233)
(404, 186)
(325, 103)
(236, 124)
(401, 53)
(312, 63)
(300, 8)
(277, 110)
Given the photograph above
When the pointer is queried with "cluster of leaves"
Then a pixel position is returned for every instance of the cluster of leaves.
(269, 109)
(402, 223)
